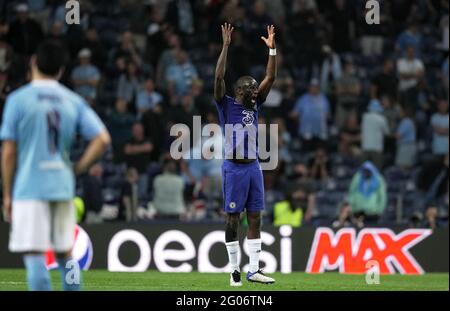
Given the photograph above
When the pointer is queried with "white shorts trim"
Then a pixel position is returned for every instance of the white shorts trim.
(37, 226)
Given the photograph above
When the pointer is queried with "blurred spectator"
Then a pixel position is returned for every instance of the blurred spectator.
(129, 196)
(93, 43)
(57, 34)
(24, 33)
(374, 129)
(180, 14)
(167, 59)
(312, 111)
(284, 140)
(320, 166)
(168, 192)
(119, 123)
(391, 112)
(86, 77)
(350, 137)
(385, 83)
(40, 12)
(410, 70)
(256, 26)
(129, 83)
(127, 49)
(345, 217)
(440, 126)
(184, 113)
(180, 76)
(433, 182)
(331, 69)
(348, 89)
(155, 43)
(342, 21)
(155, 126)
(148, 98)
(92, 190)
(406, 141)
(410, 38)
(137, 154)
(367, 193)
(297, 208)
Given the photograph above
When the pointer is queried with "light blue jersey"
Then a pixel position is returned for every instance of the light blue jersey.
(43, 118)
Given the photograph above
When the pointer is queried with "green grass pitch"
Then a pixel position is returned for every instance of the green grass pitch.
(100, 280)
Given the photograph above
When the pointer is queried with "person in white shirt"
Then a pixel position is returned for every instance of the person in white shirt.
(374, 129)
(410, 71)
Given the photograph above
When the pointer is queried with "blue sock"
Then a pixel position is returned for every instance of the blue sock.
(38, 276)
(70, 274)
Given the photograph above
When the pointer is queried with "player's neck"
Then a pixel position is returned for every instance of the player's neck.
(38, 76)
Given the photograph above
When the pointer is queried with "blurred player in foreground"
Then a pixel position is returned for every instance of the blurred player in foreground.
(242, 179)
(39, 125)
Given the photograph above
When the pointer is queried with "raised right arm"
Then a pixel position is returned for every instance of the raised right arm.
(219, 81)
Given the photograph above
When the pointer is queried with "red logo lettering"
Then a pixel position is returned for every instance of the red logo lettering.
(349, 252)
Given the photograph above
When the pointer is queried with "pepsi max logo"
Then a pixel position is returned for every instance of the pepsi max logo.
(82, 251)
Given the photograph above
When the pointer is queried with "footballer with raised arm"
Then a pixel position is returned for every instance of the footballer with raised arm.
(242, 178)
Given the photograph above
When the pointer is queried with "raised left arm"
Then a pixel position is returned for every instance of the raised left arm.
(271, 71)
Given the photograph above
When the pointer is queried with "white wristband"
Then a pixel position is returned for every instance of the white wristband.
(272, 52)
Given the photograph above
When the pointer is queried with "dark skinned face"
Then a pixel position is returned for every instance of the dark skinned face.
(248, 91)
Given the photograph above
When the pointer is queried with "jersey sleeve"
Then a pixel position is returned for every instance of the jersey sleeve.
(8, 130)
(89, 123)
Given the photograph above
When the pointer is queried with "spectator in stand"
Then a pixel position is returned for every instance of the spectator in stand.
(119, 123)
(342, 20)
(348, 90)
(368, 194)
(185, 112)
(410, 70)
(148, 98)
(93, 43)
(410, 38)
(345, 217)
(137, 155)
(92, 192)
(296, 209)
(180, 14)
(167, 59)
(312, 112)
(127, 49)
(255, 26)
(406, 141)
(24, 34)
(180, 77)
(386, 82)
(129, 197)
(86, 77)
(350, 138)
(168, 190)
(440, 125)
(320, 166)
(57, 34)
(129, 83)
(433, 182)
(374, 129)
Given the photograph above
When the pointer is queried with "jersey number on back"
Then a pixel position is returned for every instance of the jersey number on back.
(53, 123)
